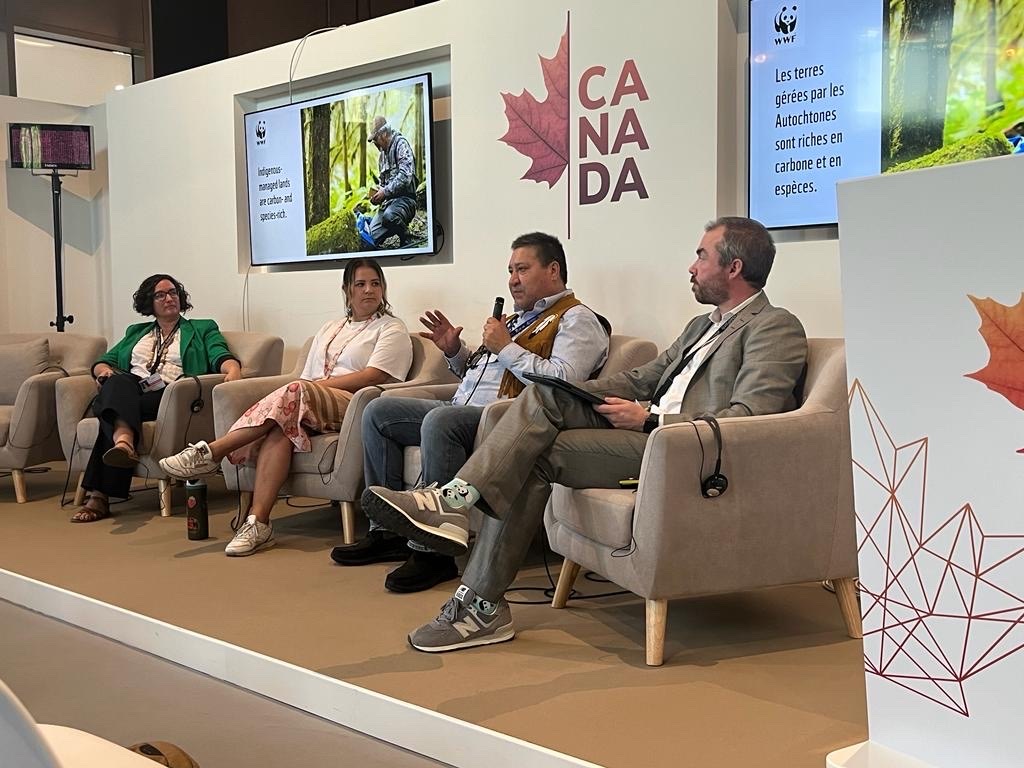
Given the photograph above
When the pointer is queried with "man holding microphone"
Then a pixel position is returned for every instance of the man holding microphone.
(550, 332)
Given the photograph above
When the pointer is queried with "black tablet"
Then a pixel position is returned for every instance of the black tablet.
(572, 389)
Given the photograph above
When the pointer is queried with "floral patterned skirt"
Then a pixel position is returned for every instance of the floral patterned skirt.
(296, 407)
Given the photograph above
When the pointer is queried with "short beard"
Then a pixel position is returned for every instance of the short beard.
(710, 294)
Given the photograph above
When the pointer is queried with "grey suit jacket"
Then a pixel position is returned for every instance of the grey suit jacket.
(751, 368)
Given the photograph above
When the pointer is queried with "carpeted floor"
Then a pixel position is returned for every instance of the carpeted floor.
(767, 676)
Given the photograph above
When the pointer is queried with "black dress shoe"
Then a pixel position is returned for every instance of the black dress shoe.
(379, 546)
(422, 570)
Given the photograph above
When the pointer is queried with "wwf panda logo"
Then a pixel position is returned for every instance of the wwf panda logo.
(261, 126)
(785, 20)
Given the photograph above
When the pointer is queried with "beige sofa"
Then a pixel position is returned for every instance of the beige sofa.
(334, 468)
(30, 366)
(175, 425)
(787, 516)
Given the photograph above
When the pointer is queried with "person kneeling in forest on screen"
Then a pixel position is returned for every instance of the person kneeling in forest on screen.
(396, 196)
(551, 332)
(745, 358)
(368, 346)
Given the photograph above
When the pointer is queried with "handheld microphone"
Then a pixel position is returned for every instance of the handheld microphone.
(499, 305)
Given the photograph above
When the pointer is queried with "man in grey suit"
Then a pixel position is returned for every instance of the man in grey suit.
(745, 358)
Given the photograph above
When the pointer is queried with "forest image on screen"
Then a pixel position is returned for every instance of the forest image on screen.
(848, 88)
(365, 164)
(956, 82)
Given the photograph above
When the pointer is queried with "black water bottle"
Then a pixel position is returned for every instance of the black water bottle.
(197, 515)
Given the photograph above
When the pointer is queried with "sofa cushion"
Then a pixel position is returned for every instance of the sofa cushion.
(320, 458)
(599, 514)
(18, 362)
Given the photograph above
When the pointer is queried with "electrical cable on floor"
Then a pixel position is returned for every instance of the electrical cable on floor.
(549, 592)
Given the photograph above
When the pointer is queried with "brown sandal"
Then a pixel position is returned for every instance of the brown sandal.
(87, 514)
(122, 455)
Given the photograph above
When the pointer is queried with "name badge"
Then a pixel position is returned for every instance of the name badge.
(152, 383)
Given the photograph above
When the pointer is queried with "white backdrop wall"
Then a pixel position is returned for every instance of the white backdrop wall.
(177, 151)
(939, 525)
(27, 296)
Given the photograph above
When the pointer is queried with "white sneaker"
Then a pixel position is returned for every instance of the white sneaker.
(251, 537)
(195, 460)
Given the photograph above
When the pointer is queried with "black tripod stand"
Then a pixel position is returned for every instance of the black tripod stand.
(55, 185)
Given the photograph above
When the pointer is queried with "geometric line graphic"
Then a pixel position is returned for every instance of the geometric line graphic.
(941, 612)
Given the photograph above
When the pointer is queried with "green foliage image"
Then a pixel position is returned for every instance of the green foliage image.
(955, 86)
(340, 166)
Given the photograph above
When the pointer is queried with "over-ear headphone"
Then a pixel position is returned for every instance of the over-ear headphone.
(715, 484)
(197, 405)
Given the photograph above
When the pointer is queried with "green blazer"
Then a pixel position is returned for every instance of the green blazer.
(203, 348)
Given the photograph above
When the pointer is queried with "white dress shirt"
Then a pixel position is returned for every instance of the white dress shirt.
(672, 400)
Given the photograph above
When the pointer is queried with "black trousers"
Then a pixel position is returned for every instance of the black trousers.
(119, 399)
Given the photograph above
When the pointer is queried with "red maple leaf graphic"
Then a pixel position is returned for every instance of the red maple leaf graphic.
(540, 129)
(1002, 328)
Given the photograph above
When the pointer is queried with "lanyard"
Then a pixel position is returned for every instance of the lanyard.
(513, 330)
(161, 347)
(690, 354)
(330, 365)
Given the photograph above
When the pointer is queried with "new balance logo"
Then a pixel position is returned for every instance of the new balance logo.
(427, 502)
(466, 626)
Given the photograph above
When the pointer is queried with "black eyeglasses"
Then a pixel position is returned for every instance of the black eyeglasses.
(161, 295)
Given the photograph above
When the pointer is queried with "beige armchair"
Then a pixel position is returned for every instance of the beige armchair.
(325, 472)
(175, 426)
(624, 353)
(28, 415)
(787, 516)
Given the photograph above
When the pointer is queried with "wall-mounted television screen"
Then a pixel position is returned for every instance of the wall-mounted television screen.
(342, 175)
(847, 88)
(50, 147)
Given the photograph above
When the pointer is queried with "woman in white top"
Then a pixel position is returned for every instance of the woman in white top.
(368, 346)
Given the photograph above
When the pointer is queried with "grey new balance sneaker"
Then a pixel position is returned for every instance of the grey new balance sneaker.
(194, 461)
(461, 625)
(422, 515)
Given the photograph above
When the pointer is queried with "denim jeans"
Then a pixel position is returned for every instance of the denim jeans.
(444, 432)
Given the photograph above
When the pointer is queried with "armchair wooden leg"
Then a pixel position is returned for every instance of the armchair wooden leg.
(20, 494)
(348, 522)
(164, 489)
(80, 491)
(566, 578)
(846, 596)
(657, 614)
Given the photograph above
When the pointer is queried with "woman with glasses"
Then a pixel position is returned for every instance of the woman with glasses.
(366, 347)
(131, 378)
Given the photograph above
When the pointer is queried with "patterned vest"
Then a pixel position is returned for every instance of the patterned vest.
(539, 338)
